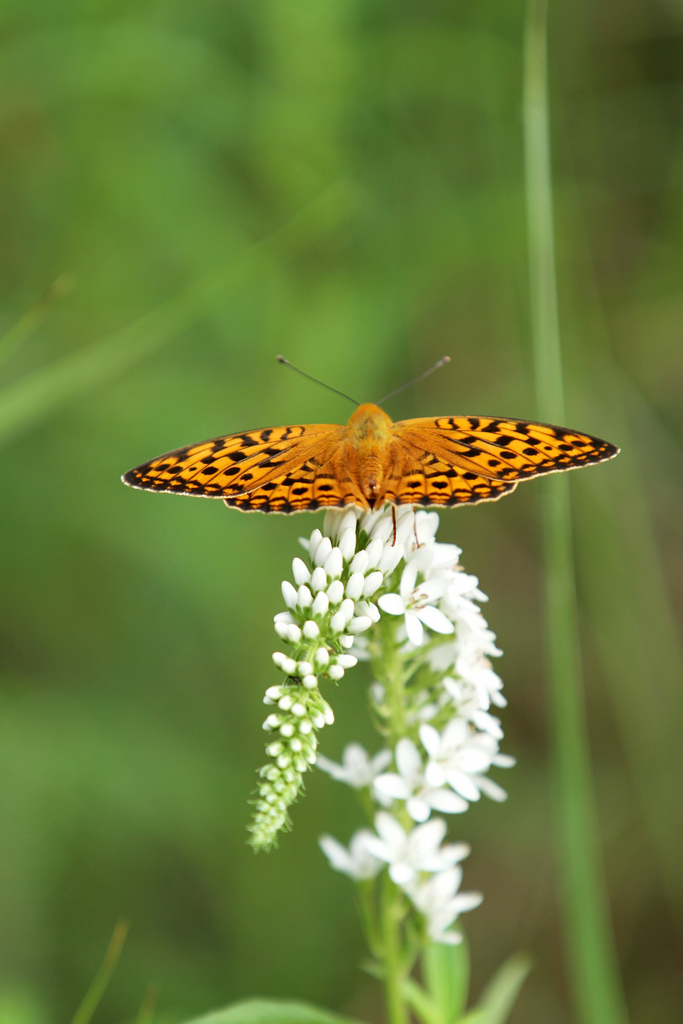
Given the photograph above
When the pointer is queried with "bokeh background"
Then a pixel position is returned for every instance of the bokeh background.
(210, 185)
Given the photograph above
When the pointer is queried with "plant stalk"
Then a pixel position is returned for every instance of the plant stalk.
(389, 669)
(588, 937)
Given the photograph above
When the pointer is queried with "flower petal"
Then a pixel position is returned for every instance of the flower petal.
(337, 855)
(414, 628)
(389, 829)
(435, 620)
(418, 809)
(446, 801)
(392, 604)
(466, 901)
(431, 740)
(461, 783)
(408, 580)
(391, 785)
(408, 760)
(401, 874)
(492, 790)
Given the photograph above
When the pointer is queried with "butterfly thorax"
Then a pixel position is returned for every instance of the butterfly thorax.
(369, 432)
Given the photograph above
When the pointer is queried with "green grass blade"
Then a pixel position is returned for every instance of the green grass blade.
(271, 1011)
(33, 318)
(588, 937)
(627, 599)
(92, 998)
(446, 971)
(147, 1007)
(36, 396)
(500, 995)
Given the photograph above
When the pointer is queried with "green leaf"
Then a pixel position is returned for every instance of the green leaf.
(111, 958)
(421, 1002)
(501, 993)
(374, 969)
(446, 972)
(272, 1011)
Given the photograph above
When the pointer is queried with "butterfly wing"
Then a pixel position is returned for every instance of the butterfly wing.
(426, 480)
(277, 469)
(454, 460)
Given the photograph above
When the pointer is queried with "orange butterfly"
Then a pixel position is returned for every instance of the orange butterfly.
(450, 460)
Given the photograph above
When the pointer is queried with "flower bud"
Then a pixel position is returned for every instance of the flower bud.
(334, 563)
(360, 562)
(300, 571)
(323, 550)
(321, 604)
(318, 579)
(347, 543)
(354, 587)
(372, 583)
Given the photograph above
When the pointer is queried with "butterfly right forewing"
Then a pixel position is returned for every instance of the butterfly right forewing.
(503, 450)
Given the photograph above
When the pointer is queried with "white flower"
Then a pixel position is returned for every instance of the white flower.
(357, 769)
(339, 520)
(439, 901)
(408, 853)
(410, 785)
(475, 669)
(413, 602)
(332, 609)
(426, 525)
(473, 640)
(423, 549)
(464, 587)
(379, 526)
(458, 756)
(357, 862)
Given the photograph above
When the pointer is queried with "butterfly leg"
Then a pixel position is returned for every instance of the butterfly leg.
(417, 539)
(393, 519)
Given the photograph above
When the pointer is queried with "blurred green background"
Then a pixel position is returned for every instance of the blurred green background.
(342, 182)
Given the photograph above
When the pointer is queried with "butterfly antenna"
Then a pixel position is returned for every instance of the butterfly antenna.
(415, 380)
(281, 359)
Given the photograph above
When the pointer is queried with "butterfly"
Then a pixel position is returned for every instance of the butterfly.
(447, 460)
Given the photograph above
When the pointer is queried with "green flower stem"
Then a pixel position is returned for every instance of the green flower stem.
(588, 937)
(388, 666)
(390, 671)
(392, 913)
(367, 906)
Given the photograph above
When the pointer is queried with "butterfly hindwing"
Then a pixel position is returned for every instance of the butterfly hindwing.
(314, 484)
(425, 480)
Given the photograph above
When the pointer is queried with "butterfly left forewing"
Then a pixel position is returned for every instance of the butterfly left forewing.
(503, 450)
(235, 465)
